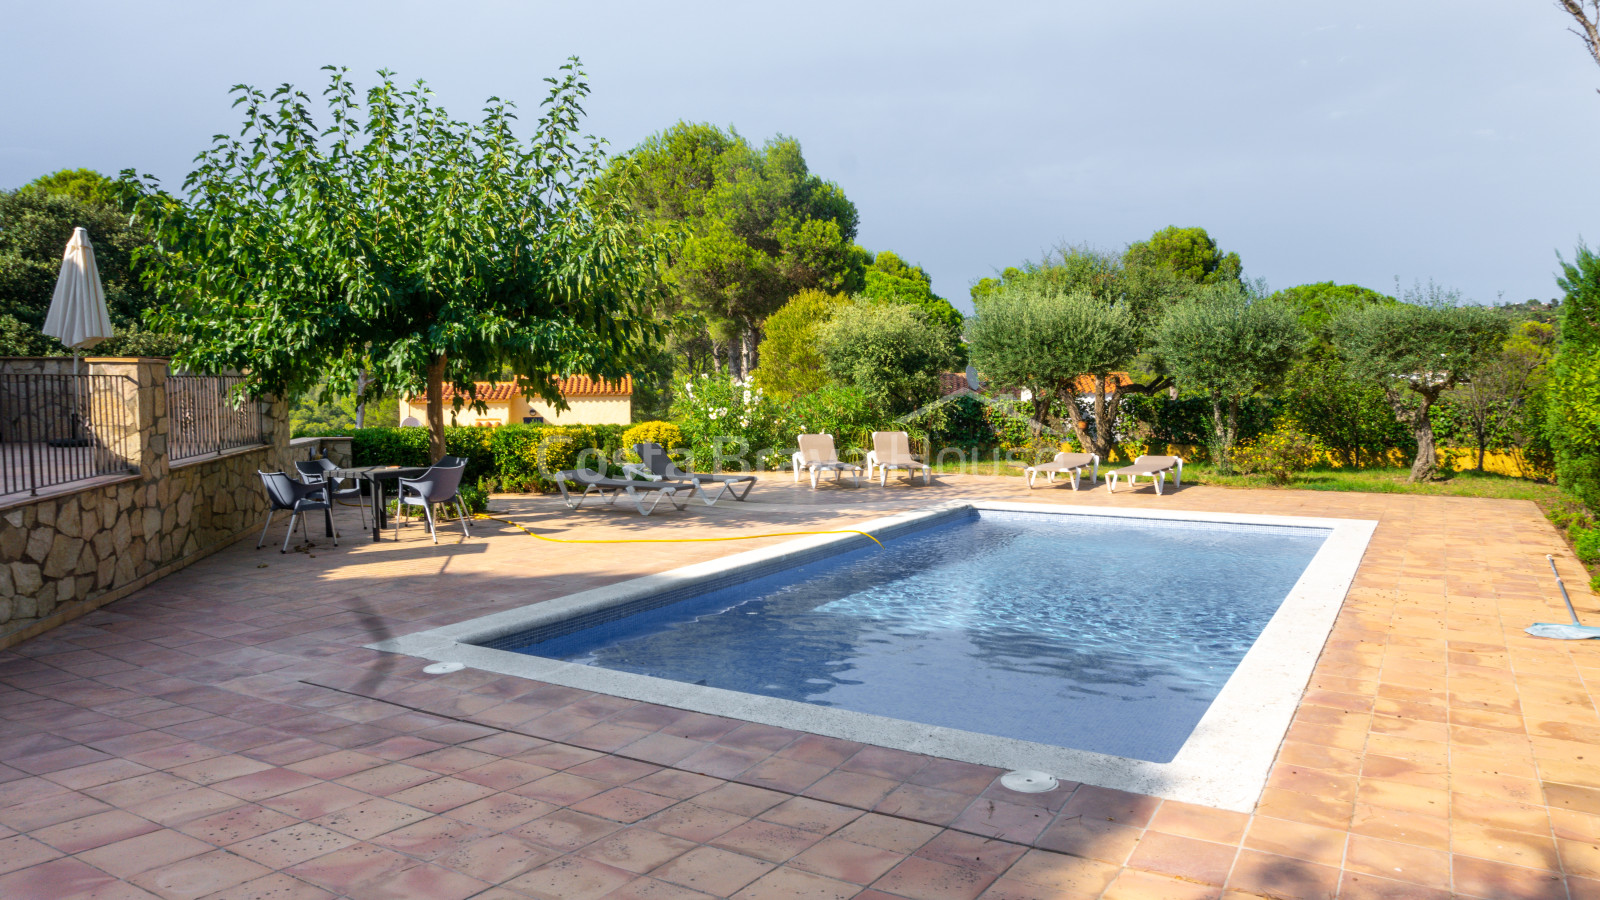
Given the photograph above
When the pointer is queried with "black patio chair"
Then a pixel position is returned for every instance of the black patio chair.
(440, 484)
(320, 471)
(284, 492)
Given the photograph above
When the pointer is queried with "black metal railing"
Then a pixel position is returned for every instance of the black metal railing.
(206, 416)
(57, 429)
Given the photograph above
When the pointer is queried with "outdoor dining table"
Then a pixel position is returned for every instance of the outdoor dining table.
(376, 476)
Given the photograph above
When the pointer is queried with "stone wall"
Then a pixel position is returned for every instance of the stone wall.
(85, 545)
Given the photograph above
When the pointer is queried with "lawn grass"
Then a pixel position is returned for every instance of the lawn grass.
(1371, 481)
(1389, 481)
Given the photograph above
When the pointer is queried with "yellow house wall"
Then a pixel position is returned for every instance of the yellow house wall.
(588, 411)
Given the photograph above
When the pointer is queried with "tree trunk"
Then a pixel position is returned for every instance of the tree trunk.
(1224, 431)
(1426, 465)
(746, 350)
(1099, 441)
(361, 398)
(436, 408)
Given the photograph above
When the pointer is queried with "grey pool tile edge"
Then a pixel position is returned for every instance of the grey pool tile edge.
(1224, 763)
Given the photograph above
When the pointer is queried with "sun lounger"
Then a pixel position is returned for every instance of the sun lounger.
(611, 488)
(1071, 463)
(816, 455)
(892, 450)
(1156, 467)
(656, 465)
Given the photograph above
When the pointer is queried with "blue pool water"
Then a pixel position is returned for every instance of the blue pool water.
(1093, 632)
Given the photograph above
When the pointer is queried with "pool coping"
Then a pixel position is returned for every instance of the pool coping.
(1223, 764)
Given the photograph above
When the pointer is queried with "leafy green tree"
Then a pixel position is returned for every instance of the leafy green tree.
(35, 225)
(889, 280)
(984, 288)
(1051, 343)
(1348, 415)
(791, 365)
(1188, 253)
(316, 413)
(1318, 304)
(396, 241)
(83, 185)
(1573, 395)
(1146, 291)
(757, 228)
(1493, 399)
(1416, 351)
(891, 352)
(1229, 345)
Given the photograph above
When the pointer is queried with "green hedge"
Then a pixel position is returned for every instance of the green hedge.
(510, 456)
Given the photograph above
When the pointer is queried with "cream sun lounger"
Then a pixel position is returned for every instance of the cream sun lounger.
(611, 488)
(1071, 463)
(892, 450)
(1156, 467)
(816, 455)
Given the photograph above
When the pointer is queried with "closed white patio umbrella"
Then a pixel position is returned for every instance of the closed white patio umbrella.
(78, 316)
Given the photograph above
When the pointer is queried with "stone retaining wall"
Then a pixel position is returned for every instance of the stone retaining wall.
(85, 545)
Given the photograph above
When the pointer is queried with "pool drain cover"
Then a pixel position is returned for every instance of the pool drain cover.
(1026, 781)
(444, 668)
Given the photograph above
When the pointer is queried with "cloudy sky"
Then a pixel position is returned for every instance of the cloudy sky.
(1355, 141)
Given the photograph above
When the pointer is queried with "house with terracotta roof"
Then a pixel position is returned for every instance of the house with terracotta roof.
(590, 402)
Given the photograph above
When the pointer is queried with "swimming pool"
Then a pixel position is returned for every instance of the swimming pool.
(1099, 633)
(1168, 659)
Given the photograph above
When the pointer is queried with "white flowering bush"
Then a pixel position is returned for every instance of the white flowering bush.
(724, 422)
(735, 425)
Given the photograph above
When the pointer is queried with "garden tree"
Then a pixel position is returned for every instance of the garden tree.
(1188, 253)
(890, 352)
(35, 224)
(395, 240)
(1229, 344)
(82, 185)
(1051, 342)
(1146, 291)
(889, 280)
(984, 288)
(757, 227)
(1348, 415)
(1572, 402)
(1318, 304)
(1587, 14)
(1416, 351)
(791, 365)
(1494, 397)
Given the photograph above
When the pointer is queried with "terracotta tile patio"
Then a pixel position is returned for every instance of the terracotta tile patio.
(223, 734)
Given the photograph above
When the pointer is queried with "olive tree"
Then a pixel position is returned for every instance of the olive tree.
(1416, 351)
(394, 247)
(891, 352)
(1055, 343)
(1228, 345)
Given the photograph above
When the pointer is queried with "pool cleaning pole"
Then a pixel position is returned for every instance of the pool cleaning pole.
(1563, 585)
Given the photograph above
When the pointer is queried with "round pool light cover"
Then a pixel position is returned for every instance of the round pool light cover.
(1027, 781)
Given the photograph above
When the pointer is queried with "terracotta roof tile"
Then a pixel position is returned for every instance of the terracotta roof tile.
(951, 382)
(571, 386)
(584, 386)
(1085, 384)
